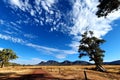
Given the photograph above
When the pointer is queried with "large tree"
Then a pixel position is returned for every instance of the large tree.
(6, 55)
(107, 6)
(90, 46)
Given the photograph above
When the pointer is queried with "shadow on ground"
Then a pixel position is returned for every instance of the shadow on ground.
(34, 77)
(6, 76)
(38, 74)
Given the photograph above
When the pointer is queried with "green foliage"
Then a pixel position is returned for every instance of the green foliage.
(107, 6)
(6, 55)
(90, 46)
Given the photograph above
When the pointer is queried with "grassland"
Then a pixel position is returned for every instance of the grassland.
(63, 72)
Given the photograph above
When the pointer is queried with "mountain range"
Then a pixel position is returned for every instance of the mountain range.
(77, 62)
(66, 62)
(117, 62)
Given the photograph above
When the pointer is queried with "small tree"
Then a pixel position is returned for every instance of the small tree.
(90, 46)
(6, 55)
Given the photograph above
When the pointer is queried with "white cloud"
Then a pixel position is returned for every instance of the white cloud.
(38, 47)
(13, 39)
(74, 45)
(14, 25)
(22, 5)
(37, 2)
(47, 5)
(61, 56)
(50, 2)
(26, 6)
(36, 60)
(1, 21)
(83, 15)
(32, 12)
(114, 15)
(84, 18)
(29, 36)
(16, 3)
(53, 29)
(1, 48)
(10, 27)
(8, 32)
(51, 50)
(31, 61)
(35, 10)
(68, 51)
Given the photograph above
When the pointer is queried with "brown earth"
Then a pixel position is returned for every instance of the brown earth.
(37, 74)
(58, 73)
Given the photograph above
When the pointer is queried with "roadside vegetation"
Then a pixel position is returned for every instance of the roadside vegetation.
(5, 56)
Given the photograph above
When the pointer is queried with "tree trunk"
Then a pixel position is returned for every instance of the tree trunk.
(100, 68)
(2, 64)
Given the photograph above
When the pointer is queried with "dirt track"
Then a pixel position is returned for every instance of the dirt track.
(38, 74)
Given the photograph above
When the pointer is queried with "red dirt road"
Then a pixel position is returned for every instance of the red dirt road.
(38, 74)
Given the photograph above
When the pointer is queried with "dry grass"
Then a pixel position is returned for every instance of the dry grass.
(113, 68)
(17, 71)
(77, 72)
(65, 72)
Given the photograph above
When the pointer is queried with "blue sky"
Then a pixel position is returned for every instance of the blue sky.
(41, 30)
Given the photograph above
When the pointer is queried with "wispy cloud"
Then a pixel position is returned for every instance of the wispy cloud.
(30, 36)
(14, 29)
(26, 6)
(48, 50)
(13, 39)
(1, 21)
(9, 27)
(61, 56)
(84, 18)
(38, 47)
(31, 61)
(52, 15)
(16, 3)
(53, 51)
(20, 4)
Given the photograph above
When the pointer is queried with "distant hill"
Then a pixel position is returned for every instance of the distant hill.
(66, 62)
(77, 62)
(80, 63)
(117, 62)
(50, 62)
